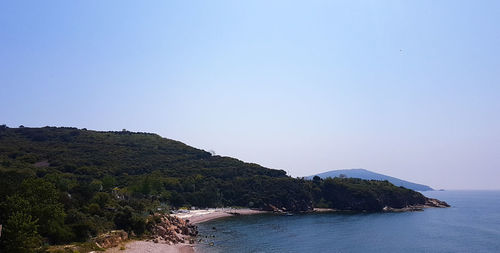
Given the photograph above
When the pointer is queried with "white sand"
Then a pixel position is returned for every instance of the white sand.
(199, 216)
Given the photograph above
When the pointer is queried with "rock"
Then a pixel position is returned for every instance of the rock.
(111, 239)
(161, 231)
(436, 203)
(171, 229)
(272, 208)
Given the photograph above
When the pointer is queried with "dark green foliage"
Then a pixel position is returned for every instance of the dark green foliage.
(39, 199)
(44, 205)
(64, 184)
(20, 233)
(367, 195)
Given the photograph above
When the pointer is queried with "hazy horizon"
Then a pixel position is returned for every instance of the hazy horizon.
(406, 89)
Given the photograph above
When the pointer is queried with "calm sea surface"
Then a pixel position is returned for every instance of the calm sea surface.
(472, 224)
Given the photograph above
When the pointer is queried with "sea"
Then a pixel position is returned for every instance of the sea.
(471, 224)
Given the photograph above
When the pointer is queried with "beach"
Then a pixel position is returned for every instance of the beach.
(199, 216)
(194, 217)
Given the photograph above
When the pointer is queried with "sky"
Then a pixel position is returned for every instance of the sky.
(406, 88)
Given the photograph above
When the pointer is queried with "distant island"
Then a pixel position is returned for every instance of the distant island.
(369, 175)
(60, 185)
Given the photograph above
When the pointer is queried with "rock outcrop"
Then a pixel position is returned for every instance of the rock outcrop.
(170, 229)
(274, 209)
(429, 202)
(289, 206)
(111, 239)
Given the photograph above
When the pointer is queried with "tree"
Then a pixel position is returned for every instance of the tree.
(123, 218)
(43, 204)
(316, 179)
(108, 182)
(20, 234)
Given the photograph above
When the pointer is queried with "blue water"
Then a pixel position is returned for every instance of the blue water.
(472, 224)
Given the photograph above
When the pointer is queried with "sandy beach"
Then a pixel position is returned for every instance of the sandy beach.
(194, 217)
(199, 216)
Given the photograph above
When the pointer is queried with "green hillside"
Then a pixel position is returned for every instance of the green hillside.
(60, 185)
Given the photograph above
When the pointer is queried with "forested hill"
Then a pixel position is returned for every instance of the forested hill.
(369, 175)
(97, 154)
(65, 184)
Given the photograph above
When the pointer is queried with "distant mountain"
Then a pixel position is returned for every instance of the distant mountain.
(368, 175)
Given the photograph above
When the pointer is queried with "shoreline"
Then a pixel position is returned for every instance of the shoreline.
(193, 217)
(199, 216)
(196, 217)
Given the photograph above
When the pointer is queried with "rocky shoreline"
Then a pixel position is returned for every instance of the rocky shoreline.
(429, 203)
(171, 229)
(178, 232)
(168, 233)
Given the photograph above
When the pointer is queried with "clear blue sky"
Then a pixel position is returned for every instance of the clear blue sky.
(406, 88)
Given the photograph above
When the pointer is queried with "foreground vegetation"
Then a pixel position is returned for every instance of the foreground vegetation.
(60, 185)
